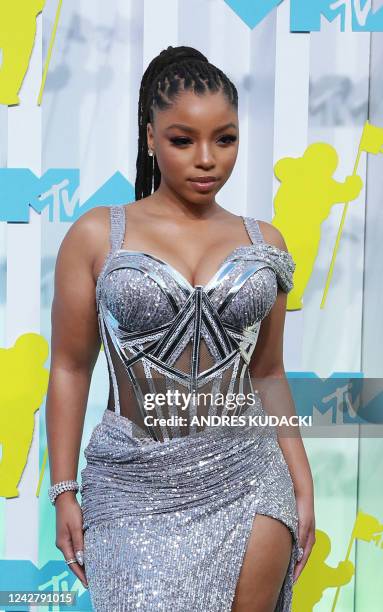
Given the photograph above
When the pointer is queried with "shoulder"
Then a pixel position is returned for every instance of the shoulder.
(92, 222)
(275, 252)
(92, 226)
(272, 235)
(87, 235)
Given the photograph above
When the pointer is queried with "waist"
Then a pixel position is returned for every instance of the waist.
(218, 464)
(170, 420)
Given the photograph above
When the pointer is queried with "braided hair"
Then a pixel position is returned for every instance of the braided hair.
(160, 85)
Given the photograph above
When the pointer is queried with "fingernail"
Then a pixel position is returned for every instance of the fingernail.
(80, 557)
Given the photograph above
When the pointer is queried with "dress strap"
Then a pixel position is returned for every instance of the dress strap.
(116, 239)
(253, 230)
(117, 227)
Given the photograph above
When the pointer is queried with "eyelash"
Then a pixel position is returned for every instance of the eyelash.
(177, 139)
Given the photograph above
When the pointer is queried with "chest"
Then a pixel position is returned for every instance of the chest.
(142, 293)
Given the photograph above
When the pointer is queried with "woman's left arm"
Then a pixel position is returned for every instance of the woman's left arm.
(269, 379)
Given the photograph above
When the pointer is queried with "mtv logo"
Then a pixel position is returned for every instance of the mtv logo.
(354, 15)
(250, 12)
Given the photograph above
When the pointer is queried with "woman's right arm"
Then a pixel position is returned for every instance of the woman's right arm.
(75, 345)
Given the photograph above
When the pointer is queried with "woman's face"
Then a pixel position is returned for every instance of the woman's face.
(204, 143)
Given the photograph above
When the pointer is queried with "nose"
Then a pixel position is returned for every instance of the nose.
(205, 156)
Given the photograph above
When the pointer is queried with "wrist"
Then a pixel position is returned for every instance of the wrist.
(62, 487)
(65, 496)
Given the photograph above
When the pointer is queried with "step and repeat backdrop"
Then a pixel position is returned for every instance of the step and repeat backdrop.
(310, 161)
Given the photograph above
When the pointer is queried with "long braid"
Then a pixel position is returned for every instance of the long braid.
(175, 69)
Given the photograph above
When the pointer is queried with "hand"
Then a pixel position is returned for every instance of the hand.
(69, 532)
(355, 183)
(346, 569)
(306, 529)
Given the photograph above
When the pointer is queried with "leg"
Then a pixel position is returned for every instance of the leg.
(264, 566)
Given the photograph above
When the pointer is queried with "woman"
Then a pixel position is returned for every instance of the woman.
(178, 514)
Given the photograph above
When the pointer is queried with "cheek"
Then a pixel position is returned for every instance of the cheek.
(174, 164)
(228, 158)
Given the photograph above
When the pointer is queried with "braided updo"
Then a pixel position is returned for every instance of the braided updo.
(175, 69)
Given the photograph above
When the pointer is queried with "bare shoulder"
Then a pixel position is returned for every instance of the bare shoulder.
(87, 237)
(272, 235)
(91, 226)
(75, 332)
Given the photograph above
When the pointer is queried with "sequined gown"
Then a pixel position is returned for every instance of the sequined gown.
(168, 508)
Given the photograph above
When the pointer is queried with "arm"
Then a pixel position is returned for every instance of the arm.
(267, 369)
(269, 378)
(75, 345)
(347, 191)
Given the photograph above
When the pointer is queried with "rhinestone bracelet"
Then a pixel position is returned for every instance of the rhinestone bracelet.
(60, 487)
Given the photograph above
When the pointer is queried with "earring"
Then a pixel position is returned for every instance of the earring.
(152, 155)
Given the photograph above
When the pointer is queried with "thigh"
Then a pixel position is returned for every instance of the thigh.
(264, 566)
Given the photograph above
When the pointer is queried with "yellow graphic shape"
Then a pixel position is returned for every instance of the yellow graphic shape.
(24, 384)
(49, 54)
(370, 142)
(317, 576)
(366, 527)
(17, 36)
(304, 200)
(372, 139)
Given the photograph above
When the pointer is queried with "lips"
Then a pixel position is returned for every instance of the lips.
(204, 184)
(204, 179)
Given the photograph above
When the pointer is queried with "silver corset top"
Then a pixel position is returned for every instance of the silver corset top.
(162, 334)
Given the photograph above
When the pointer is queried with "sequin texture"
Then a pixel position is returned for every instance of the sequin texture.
(167, 514)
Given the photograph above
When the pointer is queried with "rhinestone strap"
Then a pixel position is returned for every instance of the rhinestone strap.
(60, 487)
(117, 226)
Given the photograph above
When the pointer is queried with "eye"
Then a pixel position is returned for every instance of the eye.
(230, 138)
(179, 140)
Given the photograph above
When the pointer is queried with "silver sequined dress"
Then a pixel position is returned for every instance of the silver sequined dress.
(168, 508)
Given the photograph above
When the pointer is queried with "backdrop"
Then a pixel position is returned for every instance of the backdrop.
(306, 73)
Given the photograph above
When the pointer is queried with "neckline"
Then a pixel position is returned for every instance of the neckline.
(179, 277)
(174, 271)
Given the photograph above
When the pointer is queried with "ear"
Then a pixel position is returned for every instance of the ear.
(149, 136)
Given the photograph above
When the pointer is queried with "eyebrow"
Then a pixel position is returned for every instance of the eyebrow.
(187, 128)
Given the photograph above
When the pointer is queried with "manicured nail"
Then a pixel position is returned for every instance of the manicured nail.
(80, 557)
